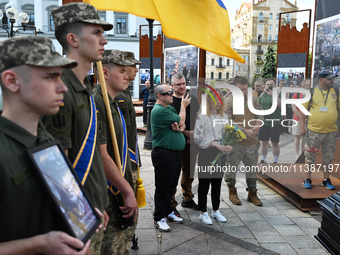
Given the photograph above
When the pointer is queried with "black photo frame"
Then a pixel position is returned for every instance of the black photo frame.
(64, 188)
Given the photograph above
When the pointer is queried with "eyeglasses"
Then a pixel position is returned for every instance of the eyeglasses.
(169, 93)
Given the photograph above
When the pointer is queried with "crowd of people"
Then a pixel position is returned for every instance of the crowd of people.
(47, 97)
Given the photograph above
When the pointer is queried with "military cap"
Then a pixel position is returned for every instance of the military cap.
(33, 51)
(78, 12)
(131, 57)
(327, 75)
(115, 57)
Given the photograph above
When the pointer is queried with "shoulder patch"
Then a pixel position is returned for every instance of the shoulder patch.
(59, 121)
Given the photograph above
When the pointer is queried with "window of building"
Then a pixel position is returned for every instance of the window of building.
(261, 16)
(219, 75)
(270, 27)
(260, 27)
(269, 37)
(212, 75)
(29, 9)
(258, 69)
(228, 62)
(212, 61)
(4, 20)
(277, 15)
(121, 23)
(271, 16)
(49, 17)
(277, 27)
(259, 38)
(237, 67)
(246, 58)
(227, 75)
(220, 62)
(276, 37)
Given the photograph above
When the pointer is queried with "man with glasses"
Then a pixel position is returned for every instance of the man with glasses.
(322, 128)
(168, 142)
(257, 89)
(178, 84)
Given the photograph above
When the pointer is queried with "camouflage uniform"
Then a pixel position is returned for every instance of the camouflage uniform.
(63, 16)
(128, 110)
(245, 151)
(317, 140)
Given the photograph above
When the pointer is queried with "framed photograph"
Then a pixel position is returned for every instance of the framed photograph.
(65, 190)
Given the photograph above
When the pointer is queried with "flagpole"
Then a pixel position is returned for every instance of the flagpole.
(152, 98)
(109, 115)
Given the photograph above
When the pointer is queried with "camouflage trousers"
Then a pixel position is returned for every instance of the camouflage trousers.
(249, 156)
(325, 141)
(115, 240)
(96, 242)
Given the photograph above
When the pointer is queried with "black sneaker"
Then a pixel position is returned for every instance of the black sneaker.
(191, 204)
(176, 212)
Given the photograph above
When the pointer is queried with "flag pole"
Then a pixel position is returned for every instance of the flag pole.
(109, 115)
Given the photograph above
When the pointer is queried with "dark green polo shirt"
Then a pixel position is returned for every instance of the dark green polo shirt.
(266, 102)
(104, 135)
(162, 133)
(126, 106)
(70, 126)
(26, 209)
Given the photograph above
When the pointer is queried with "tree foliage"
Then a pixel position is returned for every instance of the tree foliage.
(269, 66)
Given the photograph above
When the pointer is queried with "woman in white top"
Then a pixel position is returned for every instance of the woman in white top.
(208, 135)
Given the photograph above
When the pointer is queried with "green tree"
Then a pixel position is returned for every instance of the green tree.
(269, 66)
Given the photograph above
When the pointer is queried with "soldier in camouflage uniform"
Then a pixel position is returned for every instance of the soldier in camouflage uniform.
(125, 104)
(79, 30)
(247, 150)
(30, 80)
(116, 240)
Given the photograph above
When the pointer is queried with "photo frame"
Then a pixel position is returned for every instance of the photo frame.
(65, 190)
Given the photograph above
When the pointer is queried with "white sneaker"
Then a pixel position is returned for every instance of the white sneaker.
(218, 216)
(206, 219)
(162, 225)
(173, 218)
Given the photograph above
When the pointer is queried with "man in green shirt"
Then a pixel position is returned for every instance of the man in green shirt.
(272, 122)
(30, 80)
(79, 30)
(116, 240)
(168, 143)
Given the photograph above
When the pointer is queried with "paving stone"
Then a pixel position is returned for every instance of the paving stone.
(145, 248)
(269, 211)
(251, 240)
(284, 206)
(239, 232)
(280, 248)
(288, 230)
(234, 222)
(294, 213)
(311, 251)
(279, 220)
(250, 216)
(306, 223)
(303, 242)
(271, 238)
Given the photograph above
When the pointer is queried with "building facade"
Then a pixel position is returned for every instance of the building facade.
(257, 26)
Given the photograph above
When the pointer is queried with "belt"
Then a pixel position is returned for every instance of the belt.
(167, 151)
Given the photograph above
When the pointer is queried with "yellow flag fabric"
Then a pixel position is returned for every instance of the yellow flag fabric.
(203, 23)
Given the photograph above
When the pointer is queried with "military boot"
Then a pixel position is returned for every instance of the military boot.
(252, 197)
(233, 196)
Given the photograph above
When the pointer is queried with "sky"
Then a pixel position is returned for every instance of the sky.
(233, 5)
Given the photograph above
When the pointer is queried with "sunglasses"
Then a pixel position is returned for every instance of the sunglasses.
(169, 93)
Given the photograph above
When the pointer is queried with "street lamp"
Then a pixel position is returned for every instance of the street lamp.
(13, 15)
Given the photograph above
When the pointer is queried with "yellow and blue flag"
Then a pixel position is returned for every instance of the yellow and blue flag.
(202, 23)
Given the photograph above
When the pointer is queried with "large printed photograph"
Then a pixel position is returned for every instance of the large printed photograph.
(183, 59)
(327, 46)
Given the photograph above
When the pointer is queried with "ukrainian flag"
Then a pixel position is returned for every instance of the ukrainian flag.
(203, 23)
